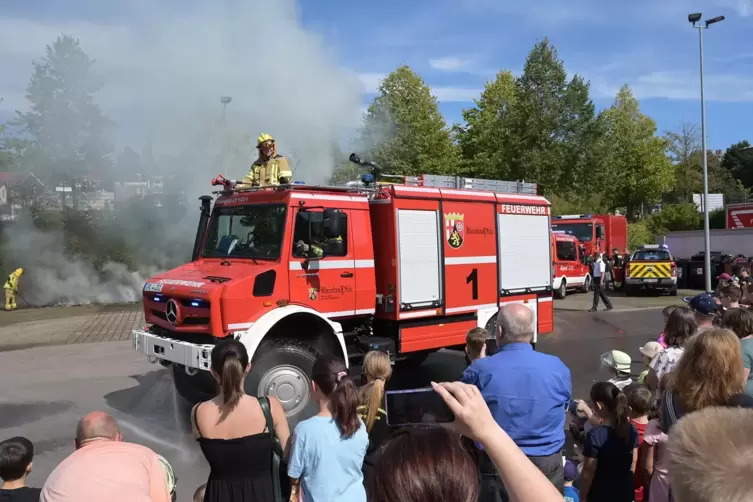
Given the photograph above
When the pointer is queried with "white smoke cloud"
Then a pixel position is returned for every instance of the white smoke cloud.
(163, 77)
(50, 278)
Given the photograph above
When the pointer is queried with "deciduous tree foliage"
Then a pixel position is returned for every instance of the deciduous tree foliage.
(738, 161)
(636, 167)
(67, 129)
(484, 139)
(404, 130)
(684, 150)
(553, 129)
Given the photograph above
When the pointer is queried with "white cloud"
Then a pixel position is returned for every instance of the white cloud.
(455, 94)
(371, 81)
(679, 86)
(450, 63)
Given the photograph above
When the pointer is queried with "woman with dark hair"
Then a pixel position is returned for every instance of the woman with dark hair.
(610, 450)
(425, 465)
(681, 325)
(433, 466)
(328, 449)
(232, 432)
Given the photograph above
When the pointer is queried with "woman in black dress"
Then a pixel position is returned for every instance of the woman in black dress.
(231, 430)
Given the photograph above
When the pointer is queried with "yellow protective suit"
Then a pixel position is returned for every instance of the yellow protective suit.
(274, 171)
(11, 287)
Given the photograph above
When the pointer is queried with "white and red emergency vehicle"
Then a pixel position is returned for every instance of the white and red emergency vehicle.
(406, 268)
(570, 270)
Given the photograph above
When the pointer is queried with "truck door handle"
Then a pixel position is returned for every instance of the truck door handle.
(346, 274)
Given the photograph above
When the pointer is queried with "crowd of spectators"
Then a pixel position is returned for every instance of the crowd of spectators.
(675, 430)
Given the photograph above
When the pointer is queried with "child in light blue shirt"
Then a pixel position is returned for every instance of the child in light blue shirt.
(328, 449)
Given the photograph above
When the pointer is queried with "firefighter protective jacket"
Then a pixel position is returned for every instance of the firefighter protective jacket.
(274, 171)
(12, 282)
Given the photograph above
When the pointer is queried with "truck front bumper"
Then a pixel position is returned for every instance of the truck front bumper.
(190, 355)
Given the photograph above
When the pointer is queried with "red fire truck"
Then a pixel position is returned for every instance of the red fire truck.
(598, 233)
(569, 268)
(407, 268)
(740, 215)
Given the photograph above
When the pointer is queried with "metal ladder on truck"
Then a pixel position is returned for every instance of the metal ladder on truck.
(462, 183)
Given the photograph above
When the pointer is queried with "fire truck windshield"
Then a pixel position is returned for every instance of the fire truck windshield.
(253, 231)
(582, 231)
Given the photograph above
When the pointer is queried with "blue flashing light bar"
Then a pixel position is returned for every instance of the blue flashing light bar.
(195, 303)
(299, 182)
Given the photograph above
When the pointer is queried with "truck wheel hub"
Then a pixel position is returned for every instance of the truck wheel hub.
(289, 385)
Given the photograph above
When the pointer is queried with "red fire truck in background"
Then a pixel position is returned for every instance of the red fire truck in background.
(597, 233)
(569, 268)
(740, 215)
(407, 268)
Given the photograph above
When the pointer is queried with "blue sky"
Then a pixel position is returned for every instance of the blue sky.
(458, 44)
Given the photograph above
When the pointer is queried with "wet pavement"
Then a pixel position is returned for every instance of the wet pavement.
(48, 388)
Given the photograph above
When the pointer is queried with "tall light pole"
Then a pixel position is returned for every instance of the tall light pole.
(695, 19)
(224, 100)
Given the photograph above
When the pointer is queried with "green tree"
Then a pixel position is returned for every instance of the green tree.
(485, 137)
(581, 133)
(636, 169)
(738, 161)
(639, 234)
(66, 128)
(675, 218)
(403, 129)
(682, 147)
(553, 129)
(721, 180)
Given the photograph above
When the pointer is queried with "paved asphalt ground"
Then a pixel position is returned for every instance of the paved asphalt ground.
(58, 363)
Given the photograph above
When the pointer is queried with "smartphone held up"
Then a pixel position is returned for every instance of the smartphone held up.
(416, 407)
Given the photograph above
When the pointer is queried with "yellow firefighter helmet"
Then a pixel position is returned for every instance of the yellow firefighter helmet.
(264, 138)
(20, 271)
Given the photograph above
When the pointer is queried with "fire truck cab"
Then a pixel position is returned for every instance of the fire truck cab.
(600, 233)
(569, 269)
(293, 271)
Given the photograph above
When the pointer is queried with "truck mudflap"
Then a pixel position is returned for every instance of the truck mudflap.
(190, 355)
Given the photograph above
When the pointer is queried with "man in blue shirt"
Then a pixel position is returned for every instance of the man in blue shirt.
(527, 393)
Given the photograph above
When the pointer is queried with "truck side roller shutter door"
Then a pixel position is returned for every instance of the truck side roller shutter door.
(524, 252)
(418, 235)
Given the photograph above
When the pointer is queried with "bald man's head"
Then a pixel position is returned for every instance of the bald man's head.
(97, 425)
(515, 324)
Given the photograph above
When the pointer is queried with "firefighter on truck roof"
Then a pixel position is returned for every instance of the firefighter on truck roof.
(11, 289)
(270, 168)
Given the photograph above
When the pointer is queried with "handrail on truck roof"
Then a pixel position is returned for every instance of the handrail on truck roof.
(425, 180)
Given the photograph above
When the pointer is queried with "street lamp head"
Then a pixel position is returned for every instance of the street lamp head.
(714, 20)
(225, 100)
(694, 18)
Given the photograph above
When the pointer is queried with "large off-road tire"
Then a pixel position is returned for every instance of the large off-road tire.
(562, 290)
(282, 368)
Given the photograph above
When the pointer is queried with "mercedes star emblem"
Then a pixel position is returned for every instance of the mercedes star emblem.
(171, 312)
